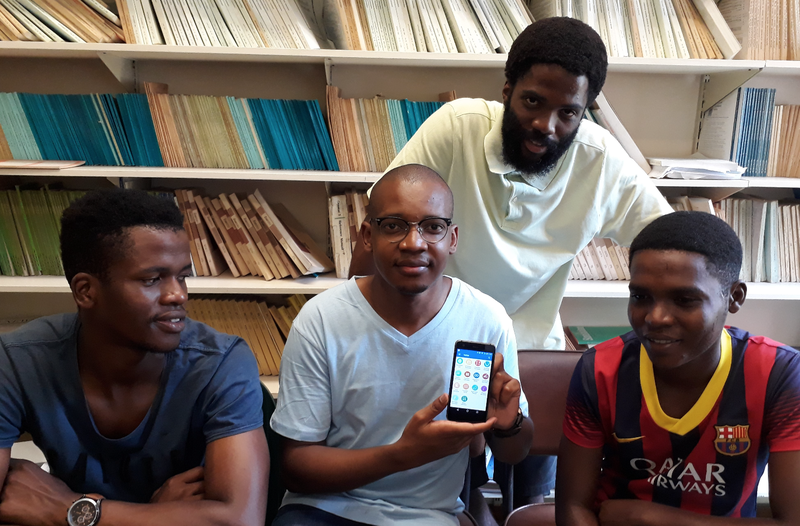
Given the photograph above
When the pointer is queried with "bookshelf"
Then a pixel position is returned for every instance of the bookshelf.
(657, 99)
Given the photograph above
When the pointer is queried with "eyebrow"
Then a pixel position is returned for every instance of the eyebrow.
(537, 95)
(162, 270)
(682, 290)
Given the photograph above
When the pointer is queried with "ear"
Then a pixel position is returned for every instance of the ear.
(84, 290)
(507, 90)
(453, 239)
(736, 296)
(366, 234)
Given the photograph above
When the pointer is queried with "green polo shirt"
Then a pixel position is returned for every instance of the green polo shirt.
(517, 240)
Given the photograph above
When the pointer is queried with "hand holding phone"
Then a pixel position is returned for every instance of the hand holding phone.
(470, 381)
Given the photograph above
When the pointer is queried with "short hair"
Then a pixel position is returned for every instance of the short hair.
(93, 228)
(411, 173)
(698, 232)
(567, 42)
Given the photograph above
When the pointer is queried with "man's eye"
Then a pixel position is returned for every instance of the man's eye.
(686, 301)
(150, 281)
(434, 229)
(183, 277)
(391, 227)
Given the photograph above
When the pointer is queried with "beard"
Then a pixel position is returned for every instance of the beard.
(514, 153)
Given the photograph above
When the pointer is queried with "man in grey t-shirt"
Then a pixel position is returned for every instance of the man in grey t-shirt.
(366, 364)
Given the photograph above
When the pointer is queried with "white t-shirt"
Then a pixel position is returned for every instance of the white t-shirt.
(517, 240)
(352, 380)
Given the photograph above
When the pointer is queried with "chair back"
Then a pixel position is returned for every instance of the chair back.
(277, 488)
(545, 377)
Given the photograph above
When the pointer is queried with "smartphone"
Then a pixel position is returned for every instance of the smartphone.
(470, 381)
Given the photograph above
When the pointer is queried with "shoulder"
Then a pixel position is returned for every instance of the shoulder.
(46, 331)
(607, 356)
(200, 339)
(469, 297)
(594, 137)
(487, 110)
(762, 345)
(593, 142)
(329, 302)
(331, 310)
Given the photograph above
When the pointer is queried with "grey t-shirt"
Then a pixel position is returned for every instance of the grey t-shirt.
(350, 379)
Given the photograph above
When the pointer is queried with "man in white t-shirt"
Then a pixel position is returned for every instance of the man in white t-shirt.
(533, 184)
(367, 366)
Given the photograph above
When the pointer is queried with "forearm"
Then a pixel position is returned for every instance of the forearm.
(661, 515)
(323, 469)
(189, 513)
(512, 450)
(570, 514)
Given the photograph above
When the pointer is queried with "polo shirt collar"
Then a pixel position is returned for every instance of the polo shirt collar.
(493, 146)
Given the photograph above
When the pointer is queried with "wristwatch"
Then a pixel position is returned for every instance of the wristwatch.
(513, 430)
(84, 512)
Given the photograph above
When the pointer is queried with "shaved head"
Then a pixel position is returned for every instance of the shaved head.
(409, 174)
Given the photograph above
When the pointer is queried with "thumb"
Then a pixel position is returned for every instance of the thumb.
(436, 407)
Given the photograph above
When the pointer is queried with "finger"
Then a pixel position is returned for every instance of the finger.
(427, 414)
(498, 363)
(499, 380)
(192, 475)
(197, 488)
(447, 428)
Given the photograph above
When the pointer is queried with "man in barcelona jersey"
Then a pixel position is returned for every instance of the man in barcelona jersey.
(674, 423)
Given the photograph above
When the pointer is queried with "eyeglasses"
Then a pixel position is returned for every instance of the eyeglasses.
(394, 229)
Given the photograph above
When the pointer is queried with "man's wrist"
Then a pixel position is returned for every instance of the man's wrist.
(515, 428)
(85, 510)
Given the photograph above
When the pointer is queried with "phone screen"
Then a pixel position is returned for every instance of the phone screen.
(469, 388)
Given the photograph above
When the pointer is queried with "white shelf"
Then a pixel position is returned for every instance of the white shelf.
(772, 182)
(701, 183)
(619, 289)
(365, 58)
(310, 285)
(338, 177)
(198, 173)
(782, 67)
(203, 285)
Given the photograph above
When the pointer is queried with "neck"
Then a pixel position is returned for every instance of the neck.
(407, 313)
(104, 362)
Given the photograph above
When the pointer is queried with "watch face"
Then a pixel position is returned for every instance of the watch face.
(82, 513)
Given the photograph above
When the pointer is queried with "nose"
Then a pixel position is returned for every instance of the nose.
(174, 292)
(545, 123)
(413, 239)
(658, 315)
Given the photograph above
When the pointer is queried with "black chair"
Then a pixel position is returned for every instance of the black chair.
(277, 488)
(545, 377)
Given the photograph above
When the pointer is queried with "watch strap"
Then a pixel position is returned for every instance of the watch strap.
(515, 428)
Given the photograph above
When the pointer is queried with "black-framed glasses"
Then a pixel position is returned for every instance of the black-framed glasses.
(395, 229)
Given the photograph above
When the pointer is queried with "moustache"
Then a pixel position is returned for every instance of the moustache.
(539, 137)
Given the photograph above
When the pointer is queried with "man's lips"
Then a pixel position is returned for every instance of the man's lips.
(412, 267)
(172, 321)
(536, 147)
(660, 339)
